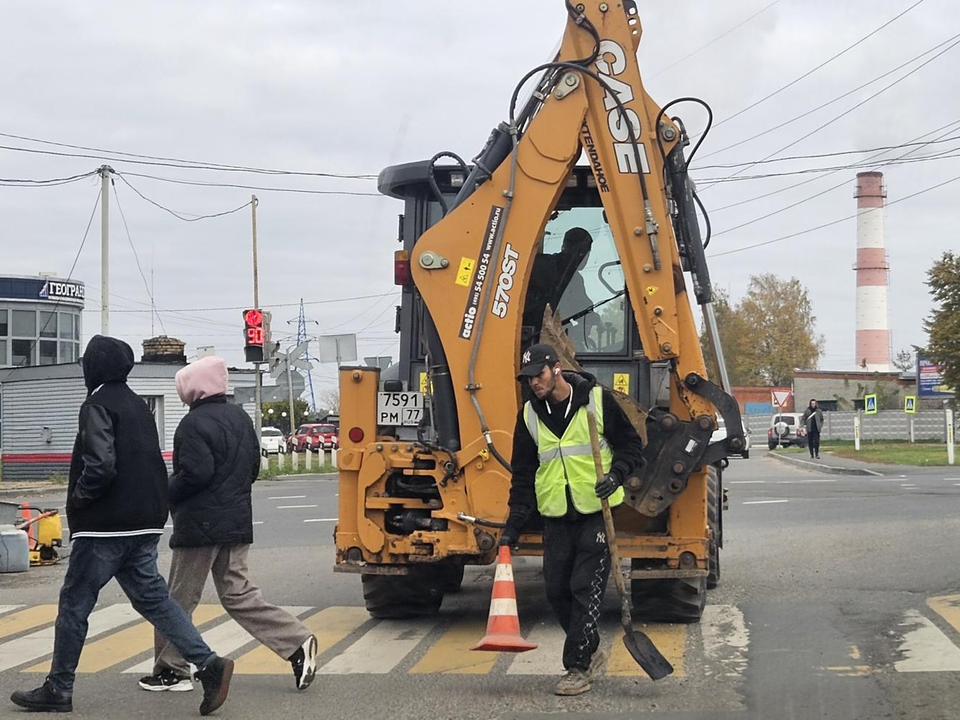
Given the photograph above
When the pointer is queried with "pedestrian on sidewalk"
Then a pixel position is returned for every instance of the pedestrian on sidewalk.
(216, 460)
(116, 508)
(554, 472)
(813, 420)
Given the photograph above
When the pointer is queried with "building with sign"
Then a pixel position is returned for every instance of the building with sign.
(40, 320)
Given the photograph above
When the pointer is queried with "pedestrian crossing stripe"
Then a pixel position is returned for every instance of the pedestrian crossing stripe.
(351, 642)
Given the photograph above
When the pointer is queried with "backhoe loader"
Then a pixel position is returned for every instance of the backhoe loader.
(522, 245)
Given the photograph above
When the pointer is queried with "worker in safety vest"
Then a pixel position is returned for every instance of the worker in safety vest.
(553, 471)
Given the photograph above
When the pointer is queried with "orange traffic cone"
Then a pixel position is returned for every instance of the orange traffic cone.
(503, 626)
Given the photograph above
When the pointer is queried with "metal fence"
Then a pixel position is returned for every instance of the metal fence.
(885, 425)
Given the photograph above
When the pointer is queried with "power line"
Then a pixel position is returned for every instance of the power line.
(832, 222)
(303, 191)
(762, 196)
(942, 155)
(175, 213)
(848, 111)
(136, 257)
(829, 102)
(821, 65)
(50, 182)
(176, 162)
(268, 306)
(719, 37)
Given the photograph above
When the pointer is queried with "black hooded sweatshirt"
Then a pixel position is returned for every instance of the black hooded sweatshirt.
(623, 438)
(118, 480)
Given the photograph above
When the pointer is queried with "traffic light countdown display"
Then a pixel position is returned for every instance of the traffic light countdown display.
(256, 335)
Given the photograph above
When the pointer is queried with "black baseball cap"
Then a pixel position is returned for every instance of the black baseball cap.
(535, 358)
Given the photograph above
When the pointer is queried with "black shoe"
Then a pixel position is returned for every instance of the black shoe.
(166, 679)
(304, 663)
(45, 698)
(215, 678)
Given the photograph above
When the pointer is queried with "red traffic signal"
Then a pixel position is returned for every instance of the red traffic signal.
(253, 335)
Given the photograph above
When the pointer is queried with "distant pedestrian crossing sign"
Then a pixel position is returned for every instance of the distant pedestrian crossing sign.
(870, 404)
(910, 404)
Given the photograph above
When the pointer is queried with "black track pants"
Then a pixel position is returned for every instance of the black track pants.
(576, 565)
(813, 443)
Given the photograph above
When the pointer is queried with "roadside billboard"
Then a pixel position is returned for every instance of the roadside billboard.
(930, 379)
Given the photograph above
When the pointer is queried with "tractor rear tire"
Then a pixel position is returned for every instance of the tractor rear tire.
(418, 594)
(715, 525)
(669, 600)
(451, 577)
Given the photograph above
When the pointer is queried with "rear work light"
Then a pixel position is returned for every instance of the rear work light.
(401, 267)
(355, 435)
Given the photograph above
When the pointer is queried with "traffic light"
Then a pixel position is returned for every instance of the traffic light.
(253, 335)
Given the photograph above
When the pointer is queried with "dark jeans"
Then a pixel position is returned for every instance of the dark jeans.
(813, 443)
(576, 566)
(133, 562)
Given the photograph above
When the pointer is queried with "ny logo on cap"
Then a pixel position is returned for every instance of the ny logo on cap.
(526, 356)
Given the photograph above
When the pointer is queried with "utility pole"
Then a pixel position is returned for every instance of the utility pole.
(258, 387)
(105, 172)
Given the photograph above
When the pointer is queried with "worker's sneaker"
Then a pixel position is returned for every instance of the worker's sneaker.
(597, 662)
(215, 678)
(573, 683)
(304, 663)
(166, 679)
(45, 698)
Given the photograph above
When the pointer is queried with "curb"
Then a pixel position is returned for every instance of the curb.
(817, 467)
(33, 490)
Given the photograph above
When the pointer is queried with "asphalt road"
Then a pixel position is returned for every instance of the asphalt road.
(840, 599)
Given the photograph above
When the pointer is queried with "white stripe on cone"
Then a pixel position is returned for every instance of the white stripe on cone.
(503, 606)
(504, 573)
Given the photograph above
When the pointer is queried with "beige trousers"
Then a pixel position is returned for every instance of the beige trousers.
(276, 628)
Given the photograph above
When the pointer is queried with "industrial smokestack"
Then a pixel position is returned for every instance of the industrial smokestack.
(873, 333)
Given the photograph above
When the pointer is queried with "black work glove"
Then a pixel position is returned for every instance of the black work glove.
(509, 536)
(608, 486)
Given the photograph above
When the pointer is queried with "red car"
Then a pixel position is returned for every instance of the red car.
(319, 436)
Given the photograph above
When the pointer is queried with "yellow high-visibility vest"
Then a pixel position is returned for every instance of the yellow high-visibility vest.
(568, 461)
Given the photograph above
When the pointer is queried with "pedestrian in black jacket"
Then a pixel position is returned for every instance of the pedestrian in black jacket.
(216, 460)
(116, 508)
(554, 472)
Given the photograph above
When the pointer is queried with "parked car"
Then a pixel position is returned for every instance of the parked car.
(721, 432)
(788, 428)
(315, 436)
(271, 441)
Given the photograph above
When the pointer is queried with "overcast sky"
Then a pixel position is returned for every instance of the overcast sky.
(350, 87)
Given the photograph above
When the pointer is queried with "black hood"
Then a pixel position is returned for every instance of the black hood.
(580, 382)
(106, 359)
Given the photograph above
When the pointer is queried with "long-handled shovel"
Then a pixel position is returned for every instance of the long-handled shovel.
(640, 647)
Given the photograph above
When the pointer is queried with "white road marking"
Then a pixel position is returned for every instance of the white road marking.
(725, 639)
(321, 520)
(8, 608)
(746, 482)
(803, 482)
(293, 507)
(258, 522)
(287, 497)
(547, 658)
(222, 639)
(380, 649)
(925, 648)
(764, 502)
(31, 647)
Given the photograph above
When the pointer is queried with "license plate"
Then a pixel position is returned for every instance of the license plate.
(399, 408)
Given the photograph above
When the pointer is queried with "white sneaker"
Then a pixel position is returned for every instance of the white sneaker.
(166, 680)
(304, 663)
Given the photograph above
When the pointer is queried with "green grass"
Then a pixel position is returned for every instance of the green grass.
(273, 470)
(928, 453)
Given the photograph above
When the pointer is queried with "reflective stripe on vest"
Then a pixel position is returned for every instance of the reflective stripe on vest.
(568, 461)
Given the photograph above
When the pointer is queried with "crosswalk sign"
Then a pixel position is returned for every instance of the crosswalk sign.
(910, 404)
(870, 404)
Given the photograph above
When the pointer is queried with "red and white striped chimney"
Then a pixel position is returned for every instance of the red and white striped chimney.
(873, 333)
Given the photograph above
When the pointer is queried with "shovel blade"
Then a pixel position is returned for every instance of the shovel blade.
(650, 660)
